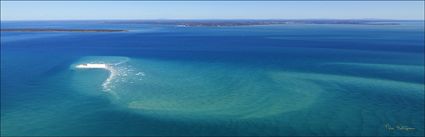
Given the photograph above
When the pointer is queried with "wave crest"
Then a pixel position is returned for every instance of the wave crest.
(116, 66)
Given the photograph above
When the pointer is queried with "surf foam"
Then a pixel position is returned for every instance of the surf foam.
(112, 72)
(101, 66)
(119, 71)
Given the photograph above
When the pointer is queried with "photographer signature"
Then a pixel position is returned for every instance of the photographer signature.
(398, 128)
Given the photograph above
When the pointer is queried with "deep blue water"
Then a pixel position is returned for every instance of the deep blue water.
(275, 80)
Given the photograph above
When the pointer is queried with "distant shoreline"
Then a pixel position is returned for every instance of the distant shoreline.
(59, 30)
(218, 23)
(212, 23)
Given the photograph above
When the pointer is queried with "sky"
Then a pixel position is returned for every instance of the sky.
(98, 10)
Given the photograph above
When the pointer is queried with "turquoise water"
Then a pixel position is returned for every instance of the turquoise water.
(278, 80)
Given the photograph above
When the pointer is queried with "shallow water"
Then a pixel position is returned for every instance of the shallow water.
(252, 80)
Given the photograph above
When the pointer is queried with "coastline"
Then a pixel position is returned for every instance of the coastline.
(251, 22)
(59, 30)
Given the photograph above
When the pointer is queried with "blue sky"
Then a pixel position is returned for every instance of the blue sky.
(80, 10)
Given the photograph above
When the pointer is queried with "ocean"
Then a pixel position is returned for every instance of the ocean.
(167, 80)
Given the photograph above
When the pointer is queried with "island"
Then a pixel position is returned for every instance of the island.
(58, 30)
(248, 22)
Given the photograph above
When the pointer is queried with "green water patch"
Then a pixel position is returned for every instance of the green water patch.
(214, 90)
(205, 90)
(408, 73)
(382, 85)
(356, 105)
(196, 89)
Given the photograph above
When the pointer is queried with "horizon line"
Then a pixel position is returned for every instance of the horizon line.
(210, 19)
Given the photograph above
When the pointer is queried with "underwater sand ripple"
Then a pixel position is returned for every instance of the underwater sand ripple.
(205, 90)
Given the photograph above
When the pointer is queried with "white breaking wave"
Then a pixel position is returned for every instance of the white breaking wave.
(110, 68)
(102, 66)
(118, 71)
